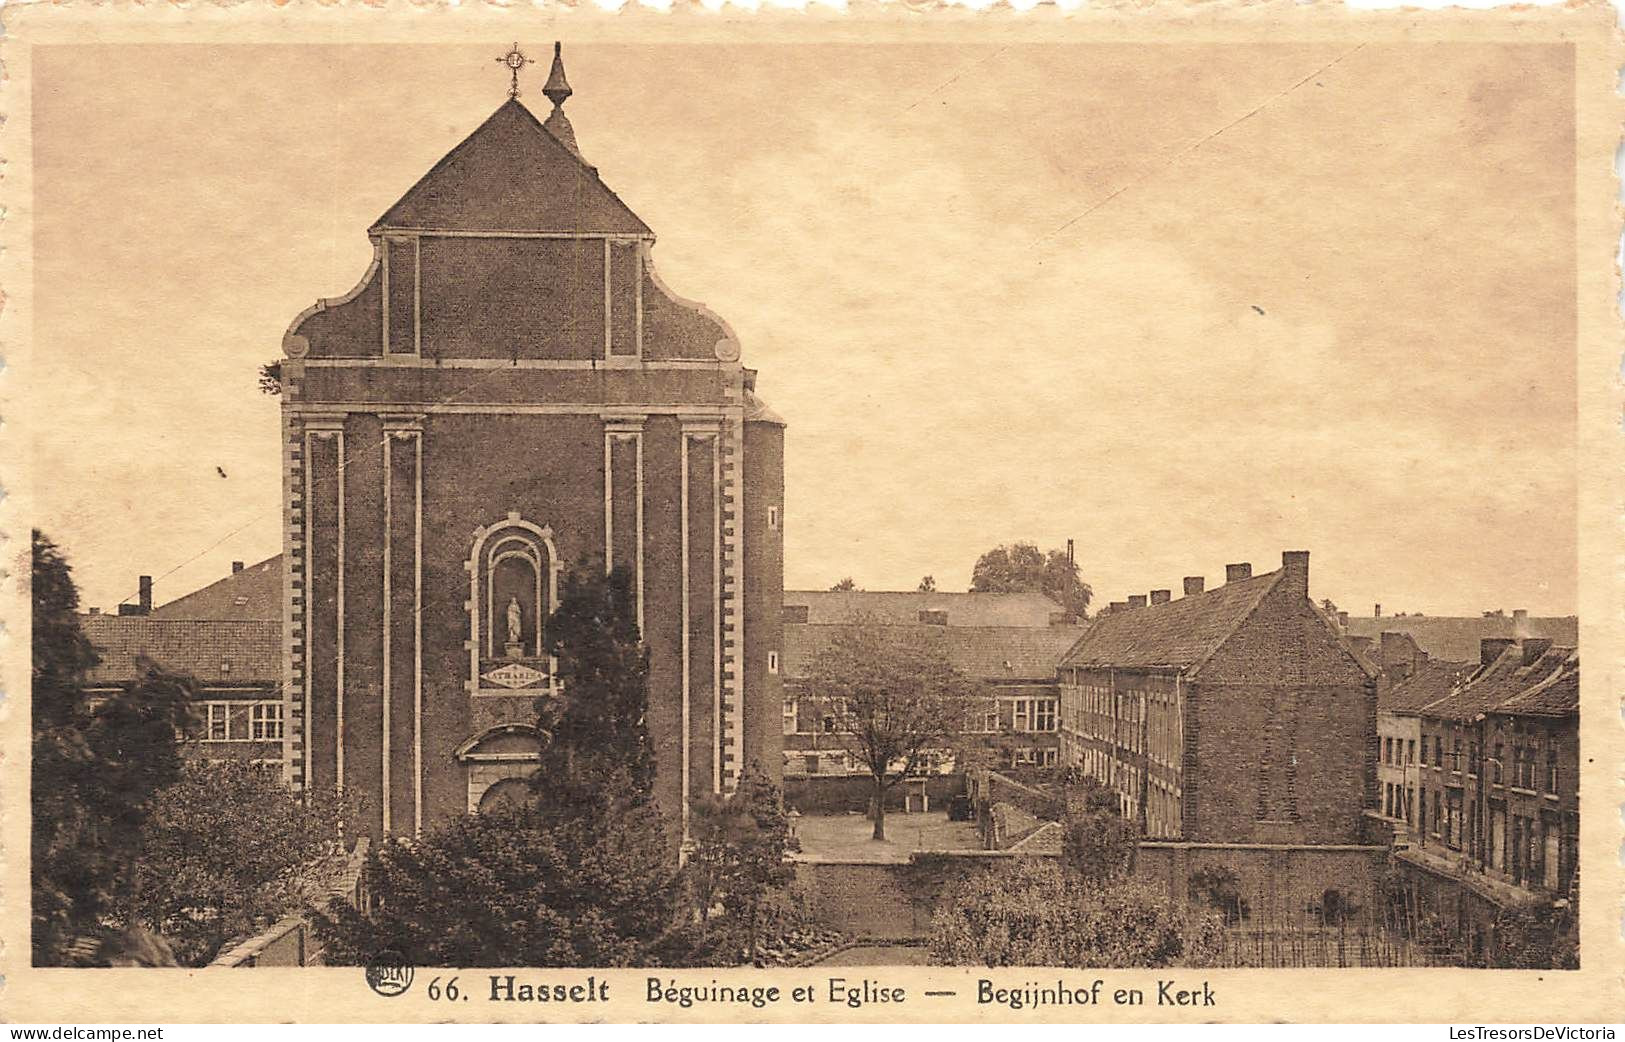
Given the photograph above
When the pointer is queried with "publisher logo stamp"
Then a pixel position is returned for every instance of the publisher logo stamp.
(388, 974)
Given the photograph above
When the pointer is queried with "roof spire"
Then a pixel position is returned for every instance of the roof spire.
(558, 89)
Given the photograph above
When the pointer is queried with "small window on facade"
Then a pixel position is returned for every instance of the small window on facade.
(789, 716)
(773, 517)
(772, 661)
(811, 763)
(266, 721)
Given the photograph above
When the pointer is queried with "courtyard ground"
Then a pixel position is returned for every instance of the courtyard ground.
(847, 837)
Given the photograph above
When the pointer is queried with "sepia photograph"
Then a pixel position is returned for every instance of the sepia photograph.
(564, 501)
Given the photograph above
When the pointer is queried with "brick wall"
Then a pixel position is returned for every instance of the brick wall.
(1279, 883)
(1285, 736)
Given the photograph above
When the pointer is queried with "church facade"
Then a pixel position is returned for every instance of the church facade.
(511, 392)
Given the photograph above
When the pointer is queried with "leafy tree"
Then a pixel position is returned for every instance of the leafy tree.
(1023, 568)
(1035, 912)
(271, 378)
(893, 699)
(517, 885)
(844, 586)
(97, 765)
(228, 850)
(737, 857)
(1097, 842)
(599, 730)
(927, 585)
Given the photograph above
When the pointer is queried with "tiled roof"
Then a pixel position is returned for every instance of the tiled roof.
(1431, 681)
(1457, 637)
(1559, 695)
(991, 653)
(903, 608)
(512, 175)
(1175, 634)
(255, 593)
(1500, 681)
(222, 652)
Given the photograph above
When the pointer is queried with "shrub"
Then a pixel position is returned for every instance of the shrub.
(1035, 912)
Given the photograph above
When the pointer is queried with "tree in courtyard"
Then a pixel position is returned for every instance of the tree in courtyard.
(229, 850)
(927, 585)
(97, 765)
(1023, 568)
(844, 586)
(736, 861)
(894, 701)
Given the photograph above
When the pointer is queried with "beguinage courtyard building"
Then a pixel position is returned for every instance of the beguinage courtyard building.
(511, 391)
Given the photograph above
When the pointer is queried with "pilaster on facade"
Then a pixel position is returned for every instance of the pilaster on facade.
(731, 633)
(405, 429)
(295, 757)
(624, 428)
(327, 427)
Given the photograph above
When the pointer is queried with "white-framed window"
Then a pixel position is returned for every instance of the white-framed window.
(773, 517)
(790, 716)
(1044, 714)
(265, 721)
(1022, 719)
(773, 662)
(243, 721)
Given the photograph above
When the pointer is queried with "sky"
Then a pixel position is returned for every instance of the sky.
(1185, 305)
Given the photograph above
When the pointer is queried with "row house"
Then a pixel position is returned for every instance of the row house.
(1237, 715)
(1011, 642)
(1410, 679)
(1498, 768)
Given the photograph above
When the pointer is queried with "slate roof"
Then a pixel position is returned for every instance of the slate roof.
(1431, 681)
(1500, 681)
(1177, 634)
(219, 652)
(253, 594)
(903, 607)
(512, 175)
(1457, 637)
(1558, 696)
(999, 654)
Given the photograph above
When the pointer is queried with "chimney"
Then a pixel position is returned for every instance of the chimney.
(95, 611)
(1295, 563)
(1161, 596)
(1397, 654)
(1234, 573)
(236, 566)
(1520, 624)
(1376, 613)
(1069, 558)
(1194, 584)
(1534, 648)
(1136, 600)
(146, 594)
(1492, 648)
(1343, 621)
(1117, 605)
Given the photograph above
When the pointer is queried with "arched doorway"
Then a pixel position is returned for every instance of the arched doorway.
(505, 794)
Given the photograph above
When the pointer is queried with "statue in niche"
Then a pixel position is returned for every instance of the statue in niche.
(513, 646)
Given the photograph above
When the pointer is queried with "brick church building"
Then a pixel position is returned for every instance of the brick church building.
(508, 393)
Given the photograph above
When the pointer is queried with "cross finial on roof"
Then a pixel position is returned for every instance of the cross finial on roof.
(515, 60)
(558, 88)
